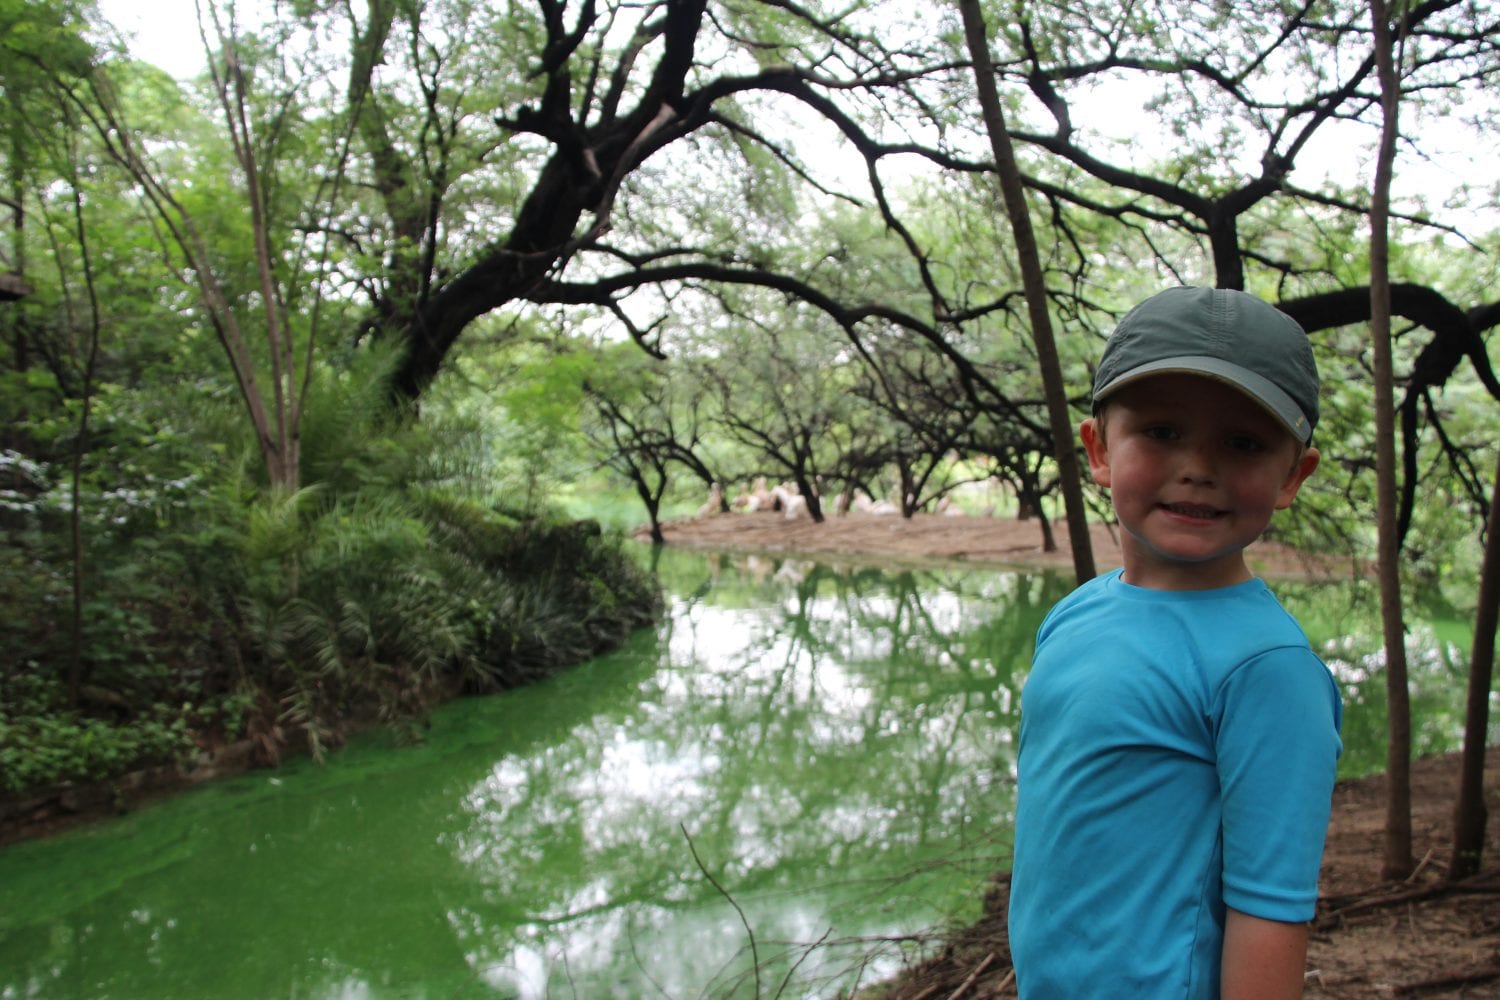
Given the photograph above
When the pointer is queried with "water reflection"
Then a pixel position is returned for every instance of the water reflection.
(801, 771)
(810, 741)
(1343, 623)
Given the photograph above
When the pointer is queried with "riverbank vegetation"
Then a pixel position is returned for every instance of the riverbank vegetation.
(215, 609)
(304, 352)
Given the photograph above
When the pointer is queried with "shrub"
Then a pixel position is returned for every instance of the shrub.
(42, 746)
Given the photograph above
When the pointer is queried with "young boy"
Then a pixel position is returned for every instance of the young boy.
(1178, 734)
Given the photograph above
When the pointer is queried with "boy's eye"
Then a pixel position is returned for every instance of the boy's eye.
(1247, 444)
(1159, 432)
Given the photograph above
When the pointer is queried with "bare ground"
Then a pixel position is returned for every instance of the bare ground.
(987, 541)
(1422, 937)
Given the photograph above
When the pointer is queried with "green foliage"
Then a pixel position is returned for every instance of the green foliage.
(518, 405)
(42, 746)
(388, 581)
(42, 34)
(345, 606)
(556, 592)
(389, 601)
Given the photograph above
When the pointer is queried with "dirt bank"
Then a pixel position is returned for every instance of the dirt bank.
(986, 541)
(1420, 938)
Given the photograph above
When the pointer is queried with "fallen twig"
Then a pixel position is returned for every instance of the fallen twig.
(1426, 860)
(1481, 883)
(1479, 974)
(978, 970)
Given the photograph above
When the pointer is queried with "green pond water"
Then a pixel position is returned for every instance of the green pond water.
(776, 792)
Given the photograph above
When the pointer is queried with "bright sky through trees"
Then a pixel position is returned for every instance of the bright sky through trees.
(165, 33)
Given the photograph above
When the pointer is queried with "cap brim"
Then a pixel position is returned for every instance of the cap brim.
(1262, 390)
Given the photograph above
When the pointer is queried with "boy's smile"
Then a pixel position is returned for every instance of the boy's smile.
(1195, 469)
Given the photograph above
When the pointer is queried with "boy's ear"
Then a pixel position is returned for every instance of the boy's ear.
(1304, 468)
(1092, 433)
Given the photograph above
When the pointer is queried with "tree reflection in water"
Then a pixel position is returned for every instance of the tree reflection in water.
(836, 745)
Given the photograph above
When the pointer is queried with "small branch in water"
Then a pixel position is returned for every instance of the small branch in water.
(754, 954)
(798, 964)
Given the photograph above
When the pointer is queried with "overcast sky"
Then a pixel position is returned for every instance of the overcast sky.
(165, 32)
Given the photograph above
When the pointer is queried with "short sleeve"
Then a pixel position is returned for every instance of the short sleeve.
(1276, 732)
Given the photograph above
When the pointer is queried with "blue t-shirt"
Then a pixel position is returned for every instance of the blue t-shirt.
(1177, 755)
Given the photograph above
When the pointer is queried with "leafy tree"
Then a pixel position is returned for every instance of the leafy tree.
(783, 397)
(925, 430)
(237, 250)
(360, 563)
(539, 385)
(1241, 96)
(549, 208)
(632, 419)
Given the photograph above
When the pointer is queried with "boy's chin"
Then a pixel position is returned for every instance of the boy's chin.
(1183, 567)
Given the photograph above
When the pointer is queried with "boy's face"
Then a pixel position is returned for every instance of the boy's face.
(1195, 470)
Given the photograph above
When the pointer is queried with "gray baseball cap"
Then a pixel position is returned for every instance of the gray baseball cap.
(1222, 334)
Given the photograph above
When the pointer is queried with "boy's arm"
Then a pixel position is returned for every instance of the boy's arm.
(1263, 959)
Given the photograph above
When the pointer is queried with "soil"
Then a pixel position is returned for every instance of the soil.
(987, 541)
(1424, 936)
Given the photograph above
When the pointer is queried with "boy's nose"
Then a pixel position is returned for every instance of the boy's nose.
(1197, 466)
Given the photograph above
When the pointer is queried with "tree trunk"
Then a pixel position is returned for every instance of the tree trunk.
(1035, 285)
(1398, 860)
(1224, 242)
(80, 449)
(652, 500)
(1049, 540)
(1469, 813)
